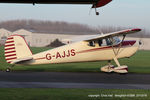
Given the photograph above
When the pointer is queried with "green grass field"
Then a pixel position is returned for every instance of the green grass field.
(139, 63)
(73, 94)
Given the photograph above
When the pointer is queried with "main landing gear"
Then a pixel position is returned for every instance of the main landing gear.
(111, 68)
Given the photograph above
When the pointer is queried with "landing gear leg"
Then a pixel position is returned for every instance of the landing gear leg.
(120, 69)
(116, 61)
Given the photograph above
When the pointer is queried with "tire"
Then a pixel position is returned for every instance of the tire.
(8, 70)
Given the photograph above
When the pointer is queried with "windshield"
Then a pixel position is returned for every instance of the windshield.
(116, 40)
(105, 42)
(112, 41)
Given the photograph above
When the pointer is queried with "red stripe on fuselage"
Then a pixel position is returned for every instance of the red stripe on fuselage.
(124, 43)
(95, 49)
(40, 58)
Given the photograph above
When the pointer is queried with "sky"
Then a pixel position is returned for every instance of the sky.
(125, 13)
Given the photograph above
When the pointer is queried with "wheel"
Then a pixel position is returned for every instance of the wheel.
(97, 13)
(121, 69)
(8, 70)
(107, 68)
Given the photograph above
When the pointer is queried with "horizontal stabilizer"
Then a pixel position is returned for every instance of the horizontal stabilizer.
(21, 60)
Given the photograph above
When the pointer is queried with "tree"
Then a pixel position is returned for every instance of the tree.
(55, 43)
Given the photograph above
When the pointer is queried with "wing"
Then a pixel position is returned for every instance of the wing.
(22, 60)
(96, 3)
(123, 32)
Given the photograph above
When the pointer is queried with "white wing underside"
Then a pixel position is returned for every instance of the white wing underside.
(98, 36)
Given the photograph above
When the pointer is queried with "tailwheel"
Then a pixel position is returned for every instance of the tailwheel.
(8, 69)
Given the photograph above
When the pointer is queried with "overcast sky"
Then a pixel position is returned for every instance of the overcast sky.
(127, 13)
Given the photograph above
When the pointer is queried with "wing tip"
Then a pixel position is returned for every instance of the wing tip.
(136, 29)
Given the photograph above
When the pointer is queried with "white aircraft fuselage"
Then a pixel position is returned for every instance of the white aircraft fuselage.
(96, 48)
(82, 52)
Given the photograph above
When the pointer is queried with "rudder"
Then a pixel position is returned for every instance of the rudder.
(16, 48)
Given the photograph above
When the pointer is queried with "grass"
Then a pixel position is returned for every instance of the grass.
(72, 94)
(139, 63)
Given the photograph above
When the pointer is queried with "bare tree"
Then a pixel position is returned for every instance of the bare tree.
(58, 27)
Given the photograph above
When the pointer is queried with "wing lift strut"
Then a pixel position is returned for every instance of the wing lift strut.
(116, 50)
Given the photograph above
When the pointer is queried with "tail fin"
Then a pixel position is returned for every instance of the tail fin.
(16, 48)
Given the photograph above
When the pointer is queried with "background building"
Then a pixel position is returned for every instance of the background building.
(35, 39)
(3, 35)
(44, 39)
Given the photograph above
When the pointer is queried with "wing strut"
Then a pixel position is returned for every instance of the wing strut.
(113, 47)
(119, 68)
(121, 43)
(116, 52)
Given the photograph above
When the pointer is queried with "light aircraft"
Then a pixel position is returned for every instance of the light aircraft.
(95, 3)
(104, 47)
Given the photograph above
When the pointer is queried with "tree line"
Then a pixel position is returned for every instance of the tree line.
(60, 27)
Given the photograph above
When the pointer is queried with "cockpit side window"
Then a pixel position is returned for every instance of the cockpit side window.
(104, 41)
(116, 40)
(100, 42)
(108, 42)
(92, 43)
